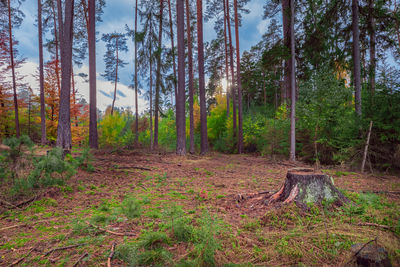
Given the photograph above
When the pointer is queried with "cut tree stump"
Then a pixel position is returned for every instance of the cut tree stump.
(303, 185)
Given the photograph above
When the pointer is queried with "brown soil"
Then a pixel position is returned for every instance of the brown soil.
(230, 186)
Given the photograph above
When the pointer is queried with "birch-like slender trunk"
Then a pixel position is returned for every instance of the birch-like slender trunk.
(41, 77)
(14, 84)
(190, 69)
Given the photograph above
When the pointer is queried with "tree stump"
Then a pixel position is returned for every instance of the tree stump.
(304, 186)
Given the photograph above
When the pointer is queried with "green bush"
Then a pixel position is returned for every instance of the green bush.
(326, 125)
(115, 130)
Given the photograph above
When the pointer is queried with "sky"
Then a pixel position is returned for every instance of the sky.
(117, 14)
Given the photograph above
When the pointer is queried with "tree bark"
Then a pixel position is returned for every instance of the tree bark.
(41, 77)
(158, 78)
(93, 135)
(292, 156)
(116, 76)
(180, 100)
(74, 95)
(172, 47)
(136, 81)
(239, 82)
(202, 90)
(303, 186)
(226, 64)
(14, 84)
(190, 74)
(66, 35)
(356, 57)
(56, 41)
(233, 90)
(286, 10)
(151, 96)
(372, 48)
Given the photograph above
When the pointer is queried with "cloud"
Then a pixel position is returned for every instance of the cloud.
(262, 26)
(126, 99)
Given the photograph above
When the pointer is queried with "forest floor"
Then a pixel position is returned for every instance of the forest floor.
(158, 208)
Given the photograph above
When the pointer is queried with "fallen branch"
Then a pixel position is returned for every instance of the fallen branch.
(110, 232)
(84, 255)
(366, 244)
(111, 255)
(26, 201)
(8, 204)
(12, 226)
(62, 248)
(375, 224)
(133, 167)
(22, 259)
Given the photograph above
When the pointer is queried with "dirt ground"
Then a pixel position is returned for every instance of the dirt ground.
(232, 187)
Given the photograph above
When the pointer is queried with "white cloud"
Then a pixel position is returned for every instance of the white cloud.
(262, 26)
(29, 69)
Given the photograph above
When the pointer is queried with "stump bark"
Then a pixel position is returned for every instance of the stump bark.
(305, 186)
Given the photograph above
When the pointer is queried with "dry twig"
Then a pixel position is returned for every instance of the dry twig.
(62, 248)
(110, 232)
(111, 255)
(23, 258)
(84, 255)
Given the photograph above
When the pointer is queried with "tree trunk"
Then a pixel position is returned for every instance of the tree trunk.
(41, 77)
(56, 37)
(239, 82)
(13, 70)
(158, 78)
(303, 186)
(233, 90)
(151, 97)
(372, 45)
(292, 156)
(172, 46)
(356, 57)
(116, 76)
(226, 64)
(66, 35)
(190, 74)
(286, 10)
(202, 91)
(136, 81)
(180, 99)
(74, 96)
(93, 135)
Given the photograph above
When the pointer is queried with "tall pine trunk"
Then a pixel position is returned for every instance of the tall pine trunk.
(14, 84)
(151, 97)
(286, 42)
(172, 47)
(226, 64)
(190, 69)
(41, 77)
(239, 82)
(93, 135)
(116, 76)
(233, 90)
(372, 48)
(180, 99)
(66, 35)
(356, 57)
(292, 153)
(202, 90)
(158, 77)
(136, 81)
(56, 42)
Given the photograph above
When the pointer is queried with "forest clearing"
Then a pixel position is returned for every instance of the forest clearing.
(200, 133)
(162, 209)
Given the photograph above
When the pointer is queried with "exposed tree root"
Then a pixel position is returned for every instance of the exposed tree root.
(111, 255)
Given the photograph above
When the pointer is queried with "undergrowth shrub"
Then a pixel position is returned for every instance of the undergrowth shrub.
(327, 127)
(131, 207)
(115, 130)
